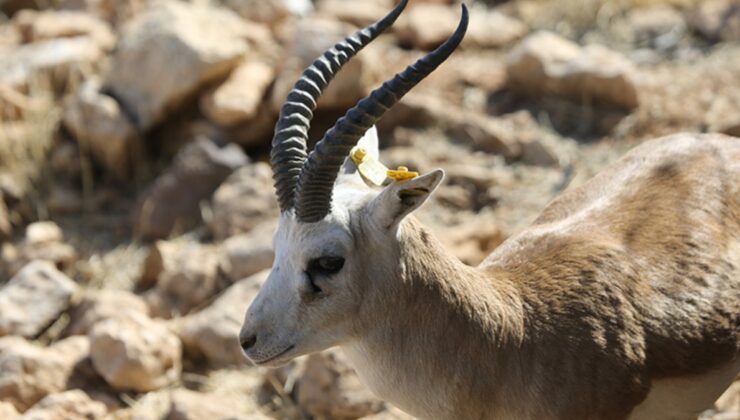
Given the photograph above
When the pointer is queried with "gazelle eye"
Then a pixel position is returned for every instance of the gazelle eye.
(325, 266)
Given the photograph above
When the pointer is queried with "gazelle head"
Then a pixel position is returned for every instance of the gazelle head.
(337, 239)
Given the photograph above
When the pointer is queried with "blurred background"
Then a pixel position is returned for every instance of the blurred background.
(136, 201)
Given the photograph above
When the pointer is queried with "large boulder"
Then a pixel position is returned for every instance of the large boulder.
(212, 334)
(172, 205)
(72, 405)
(546, 63)
(135, 353)
(243, 201)
(99, 124)
(166, 54)
(33, 299)
(28, 372)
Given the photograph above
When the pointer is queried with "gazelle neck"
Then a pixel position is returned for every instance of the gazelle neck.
(440, 315)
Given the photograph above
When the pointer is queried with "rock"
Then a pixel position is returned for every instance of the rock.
(101, 127)
(729, 402)
(188, 275)
(329, 388)
(485, 133)
(55, 59)
(247, 254)
(28, 372)
(243, 201)
(391, 413)
(16, 105)
(39, 233)
(473, 241)
(99, 305)
(172, 205)
(33, 299)
(135, 353)
(68, 405)
(213, 332)
(269, 12)
(195, 44)
(65, 160)
(191, 405)
(492, 29)
(311, 37)
(427, 25)
(8, 411)
(15, 257)
(112, 11)
(662, 26)
(239, 98)
(545, 63)
(64, 200)
(255, 133)
(6, 229)
(716, 20)
(49, 24)
(361, 14)
(539, 152)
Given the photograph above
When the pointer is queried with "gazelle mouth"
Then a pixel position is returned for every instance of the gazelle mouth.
(271, 358)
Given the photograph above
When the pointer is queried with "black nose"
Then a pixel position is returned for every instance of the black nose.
(248, 342)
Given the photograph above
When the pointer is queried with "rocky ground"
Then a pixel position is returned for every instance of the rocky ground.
(136, 204)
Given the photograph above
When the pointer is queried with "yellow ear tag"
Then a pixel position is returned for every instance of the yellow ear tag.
(370, 168)
(402, 174)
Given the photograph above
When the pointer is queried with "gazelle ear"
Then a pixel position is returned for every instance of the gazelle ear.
(399, 199)
(348, 175)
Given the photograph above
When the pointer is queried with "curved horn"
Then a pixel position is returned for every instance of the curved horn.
(320, 170)
(291, 131)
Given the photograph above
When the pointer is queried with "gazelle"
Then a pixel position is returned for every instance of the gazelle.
(622, 300)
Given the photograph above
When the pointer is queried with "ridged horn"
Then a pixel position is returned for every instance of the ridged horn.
(316, 181)
(291, 131)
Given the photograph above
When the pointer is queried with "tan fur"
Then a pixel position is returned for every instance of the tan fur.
(629, 280)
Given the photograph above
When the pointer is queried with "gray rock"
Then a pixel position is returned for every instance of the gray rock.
(134, 352)
(167, 53)
(545, 63)
(172, 205)
(74, 404)
(56, 59)
(185, 275)
(99, 305)
(33, 299)
(28, 372)
(100, 126)
(249, 253)
(49, 24)
(213, 332)
(329, 388)
(243, 201)
(191, 405)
